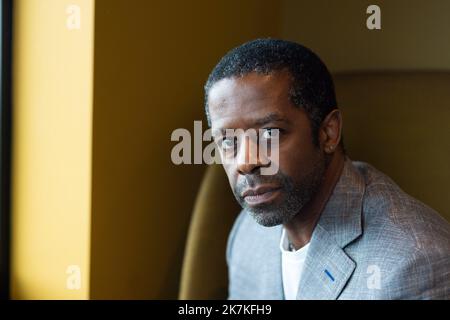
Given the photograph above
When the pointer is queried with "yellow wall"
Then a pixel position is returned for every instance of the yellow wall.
(151, 61)
(413, 35)
(51, 149)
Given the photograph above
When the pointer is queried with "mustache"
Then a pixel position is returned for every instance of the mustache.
(251, 181)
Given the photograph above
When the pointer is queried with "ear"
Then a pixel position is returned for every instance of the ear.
(330, 131)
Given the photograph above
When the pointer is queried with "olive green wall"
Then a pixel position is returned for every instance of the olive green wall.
(414, 33)
(413, 38)
(151, 61)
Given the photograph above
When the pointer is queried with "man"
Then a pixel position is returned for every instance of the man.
(322, 226)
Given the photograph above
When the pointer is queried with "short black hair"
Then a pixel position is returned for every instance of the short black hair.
(312, 85)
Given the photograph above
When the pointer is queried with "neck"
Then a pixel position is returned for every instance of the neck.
(301, 227)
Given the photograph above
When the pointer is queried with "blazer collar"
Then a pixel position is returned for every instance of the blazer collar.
(341, 217)
(327, 267)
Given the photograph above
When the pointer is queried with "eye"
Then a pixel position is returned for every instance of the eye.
(270, 133)
(227, 143)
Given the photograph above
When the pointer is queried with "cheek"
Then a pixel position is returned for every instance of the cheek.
(297, 155)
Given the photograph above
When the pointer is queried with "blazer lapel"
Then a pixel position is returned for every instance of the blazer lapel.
(327, 267)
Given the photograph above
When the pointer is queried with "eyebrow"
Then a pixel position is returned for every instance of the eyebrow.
(271, 117)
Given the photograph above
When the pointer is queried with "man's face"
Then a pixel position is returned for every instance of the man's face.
(258, 101)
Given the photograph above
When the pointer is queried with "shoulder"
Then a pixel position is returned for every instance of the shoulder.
(242, 223)
(250, 240)
(407, 237)
(401, 218)
(232, 235)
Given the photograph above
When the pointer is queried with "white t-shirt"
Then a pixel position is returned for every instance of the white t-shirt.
(292, 266)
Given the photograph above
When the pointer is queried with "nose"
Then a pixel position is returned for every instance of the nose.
(249, 159)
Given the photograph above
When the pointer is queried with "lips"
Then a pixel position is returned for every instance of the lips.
(260, 194)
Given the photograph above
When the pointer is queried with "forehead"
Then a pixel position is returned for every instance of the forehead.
(240, 102)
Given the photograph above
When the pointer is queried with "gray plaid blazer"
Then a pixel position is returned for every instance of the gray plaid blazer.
(372, 241)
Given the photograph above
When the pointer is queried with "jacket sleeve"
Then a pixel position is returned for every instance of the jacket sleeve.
(425, 275)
